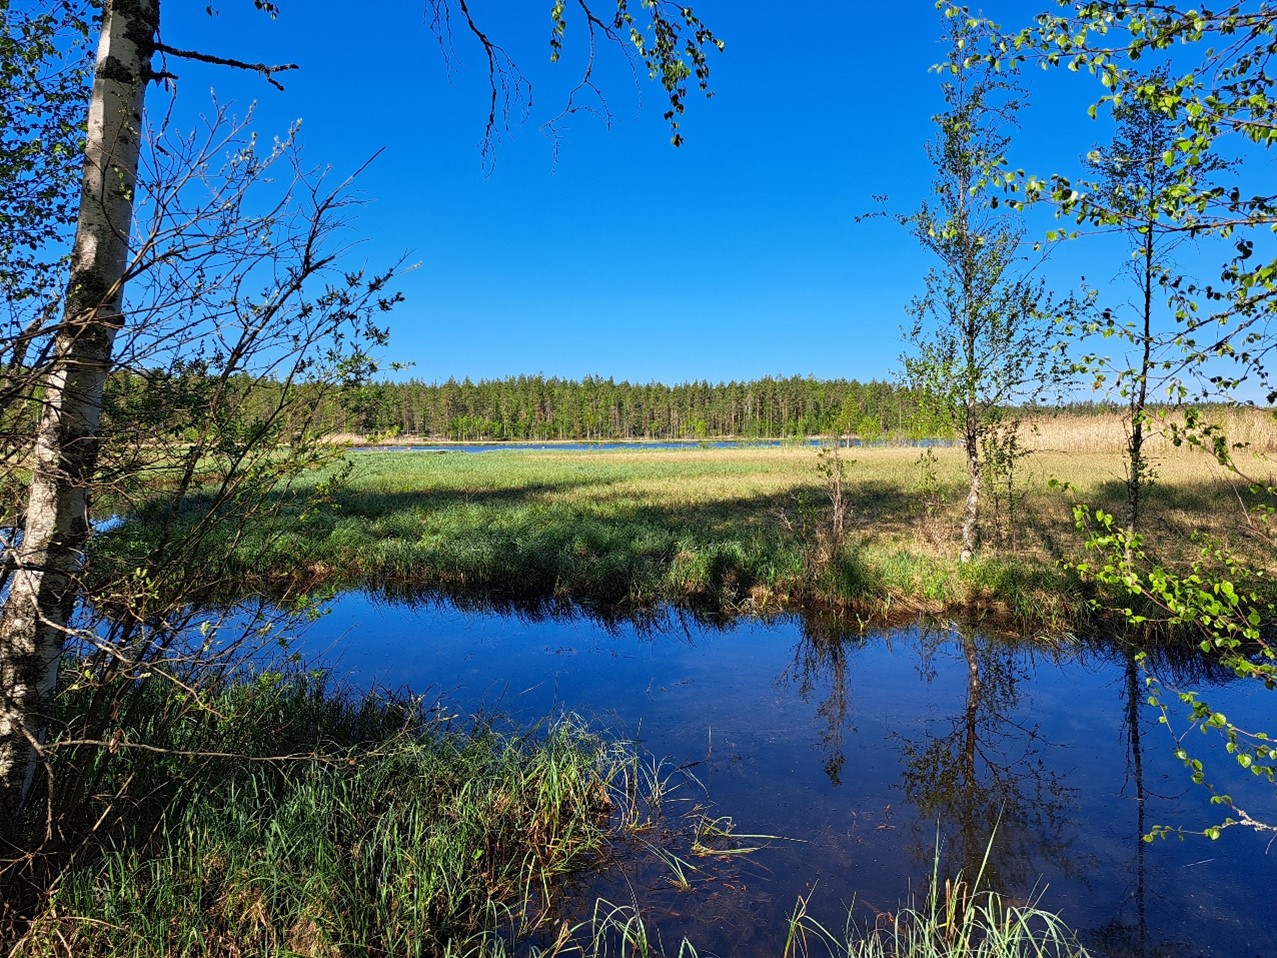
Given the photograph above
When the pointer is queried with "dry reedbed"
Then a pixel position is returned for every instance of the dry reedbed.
(1249, 431)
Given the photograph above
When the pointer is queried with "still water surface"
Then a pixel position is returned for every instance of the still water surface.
(857, 750)
(632, 446)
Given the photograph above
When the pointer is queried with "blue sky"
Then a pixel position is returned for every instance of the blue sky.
(733, 257)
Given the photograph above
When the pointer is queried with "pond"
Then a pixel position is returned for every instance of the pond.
(857, 752)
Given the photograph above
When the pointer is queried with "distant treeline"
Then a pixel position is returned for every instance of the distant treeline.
(550, 408)
(536, 408)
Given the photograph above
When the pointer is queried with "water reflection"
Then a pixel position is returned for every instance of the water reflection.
(981, 770)
(974, 773)
(820, 666)
(1126, 935)
(860, 744)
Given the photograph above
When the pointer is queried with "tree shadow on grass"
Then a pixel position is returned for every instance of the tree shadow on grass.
(1172, 513)
(545, 541)
(360, 503)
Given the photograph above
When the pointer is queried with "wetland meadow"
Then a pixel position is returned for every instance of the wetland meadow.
(636, 700)
(339, 620)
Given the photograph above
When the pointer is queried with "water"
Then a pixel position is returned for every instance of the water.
(479, 447)
(857, 751)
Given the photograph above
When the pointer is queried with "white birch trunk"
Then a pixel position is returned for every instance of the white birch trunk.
(971, 511)
(33, 623)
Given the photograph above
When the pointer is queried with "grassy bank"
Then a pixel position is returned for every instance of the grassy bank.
(268, 815)
(738, 530)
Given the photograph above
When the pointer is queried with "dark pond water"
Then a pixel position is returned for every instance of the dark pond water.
(859, 750)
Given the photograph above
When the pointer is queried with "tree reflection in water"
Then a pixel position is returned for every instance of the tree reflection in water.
(820, 664)
(1123, 937)
(974, 772)
(980, 770)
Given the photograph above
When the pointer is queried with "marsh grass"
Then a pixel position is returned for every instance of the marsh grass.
(958, 918)
(282, 818)
(1249, 431)
(725, 530)
(275, 816)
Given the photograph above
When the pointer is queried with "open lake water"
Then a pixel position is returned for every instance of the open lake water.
(858, 752)
(633, 445)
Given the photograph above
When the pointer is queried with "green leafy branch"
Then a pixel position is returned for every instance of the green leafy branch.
(672, 46)
(1221, 599)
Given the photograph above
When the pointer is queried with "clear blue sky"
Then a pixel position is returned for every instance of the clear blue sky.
(734, 257)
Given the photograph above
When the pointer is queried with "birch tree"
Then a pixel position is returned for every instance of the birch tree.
(979, 342)
(1135, 191)
(1206, 72)
(41, 595)
(667, 40)
(1216, 89)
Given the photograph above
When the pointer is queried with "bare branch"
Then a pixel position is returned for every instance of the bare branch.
(265, 70)
(505, 82)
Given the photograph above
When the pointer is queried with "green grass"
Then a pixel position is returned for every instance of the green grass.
(385, 830)
(958, 918)
(721, 530)
(955, 921)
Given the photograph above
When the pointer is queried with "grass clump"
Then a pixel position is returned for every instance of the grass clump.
(959, 919)
(280, 818)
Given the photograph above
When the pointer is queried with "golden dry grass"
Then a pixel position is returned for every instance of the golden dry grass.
(1252, 431)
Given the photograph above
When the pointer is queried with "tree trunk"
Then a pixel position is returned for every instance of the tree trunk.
(1134, 482)
(1135, 467)
(33, 624)
(971, 513)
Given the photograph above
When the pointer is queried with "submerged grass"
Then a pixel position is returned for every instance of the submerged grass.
(959, 918)
(726, 530)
